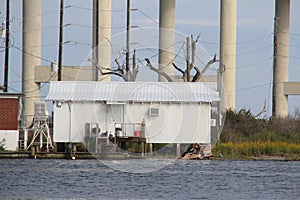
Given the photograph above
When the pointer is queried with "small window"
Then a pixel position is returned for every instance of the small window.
(153, 111)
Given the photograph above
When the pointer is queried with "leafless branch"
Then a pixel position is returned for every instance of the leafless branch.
(158, 71)
(262, 111)
(212, 61)
(199, 74)
(184, 73)
(194, 49)
(177, 68)
(111, 73)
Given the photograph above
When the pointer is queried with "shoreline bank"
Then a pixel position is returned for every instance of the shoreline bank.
(87, 155)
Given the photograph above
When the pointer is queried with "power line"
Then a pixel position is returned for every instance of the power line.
(147, 16)
(251, 64)
(250, 88)
(258, 39)
(253, 51)
(28, 53)
(90, 9)
(102, 27)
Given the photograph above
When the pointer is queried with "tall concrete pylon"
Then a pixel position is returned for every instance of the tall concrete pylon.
(228, 52)
(167, 10)
(281, 58)
(102, 16)
(31, 55)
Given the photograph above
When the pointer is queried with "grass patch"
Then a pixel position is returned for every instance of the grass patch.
(248, 150)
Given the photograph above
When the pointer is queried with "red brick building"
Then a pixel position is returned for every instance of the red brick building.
(9, 111)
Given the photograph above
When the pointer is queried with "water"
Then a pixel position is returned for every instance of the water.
(91, 179)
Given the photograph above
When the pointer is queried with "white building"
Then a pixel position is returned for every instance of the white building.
(171, 112)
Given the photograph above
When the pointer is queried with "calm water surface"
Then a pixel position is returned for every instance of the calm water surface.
(165, 179)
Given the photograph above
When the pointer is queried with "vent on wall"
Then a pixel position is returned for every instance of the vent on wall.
(153, 111)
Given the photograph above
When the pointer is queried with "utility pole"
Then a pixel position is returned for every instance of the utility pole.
(6, 47)
(61, 24)
(274, 67)
(188, 56)
(95, 38)
(220, 104)
(128, 37)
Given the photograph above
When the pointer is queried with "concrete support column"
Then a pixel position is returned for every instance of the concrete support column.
(178, 153)
(31, 55)
(228, 52)
(281, 59)
(151, 149)
(166, 36)
(101, 37)
(143, 149)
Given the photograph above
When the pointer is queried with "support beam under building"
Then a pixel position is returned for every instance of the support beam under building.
(101, 37)
(31, 56)
(166, 37)
(228, 52)
(281, 57)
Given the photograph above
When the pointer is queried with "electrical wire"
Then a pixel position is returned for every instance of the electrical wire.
(258, 39)
(147, 16)
(250, 88)
(91, 9)
(101, 27)
(35, 56)
(251, 64)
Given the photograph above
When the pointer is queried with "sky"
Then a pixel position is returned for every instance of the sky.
(254, 39)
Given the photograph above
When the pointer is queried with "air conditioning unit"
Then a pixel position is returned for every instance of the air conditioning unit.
(40, 111)
(153, 111)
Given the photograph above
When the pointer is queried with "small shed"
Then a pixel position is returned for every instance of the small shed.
(9, 120)
(168, 112)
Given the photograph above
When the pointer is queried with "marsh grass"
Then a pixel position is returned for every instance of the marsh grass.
(245, 136)
(257, 149)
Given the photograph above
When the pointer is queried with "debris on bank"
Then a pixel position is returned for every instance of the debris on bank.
(198, 151)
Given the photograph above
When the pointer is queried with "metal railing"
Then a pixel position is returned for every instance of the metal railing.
(131, 130)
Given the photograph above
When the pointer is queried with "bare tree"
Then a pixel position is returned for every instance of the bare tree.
(128, 74)
(186, 74)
